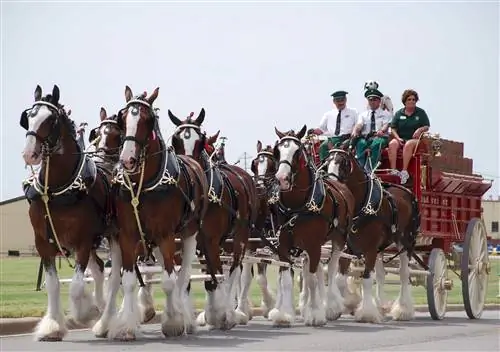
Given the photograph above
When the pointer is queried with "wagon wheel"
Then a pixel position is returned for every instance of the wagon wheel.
(437, 292)
(474, 268)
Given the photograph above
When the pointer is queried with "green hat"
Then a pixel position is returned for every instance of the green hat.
(339, 94)
(373, 93)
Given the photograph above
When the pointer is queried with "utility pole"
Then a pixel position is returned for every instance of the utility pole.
(245, 157)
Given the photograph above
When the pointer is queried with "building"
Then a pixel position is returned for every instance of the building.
(17, 234)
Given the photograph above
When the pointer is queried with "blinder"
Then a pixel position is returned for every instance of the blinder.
(24, 119)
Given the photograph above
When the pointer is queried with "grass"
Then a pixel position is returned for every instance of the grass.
(18, 297)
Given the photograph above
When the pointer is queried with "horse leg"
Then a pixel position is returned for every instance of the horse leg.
(403, 308)
(334, 301)
(380, 278)
(82, 307)
(304, 291)
(126, 324)
(52, 327)
(283, 314)
(243, 311)
(268, 300)
(314, 315)
(96, 266)
(145, 297)
(347, 289)
(368, 311)
(101, 328)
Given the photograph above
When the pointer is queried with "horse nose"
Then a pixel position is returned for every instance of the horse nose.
(30, 158)
(129, 163)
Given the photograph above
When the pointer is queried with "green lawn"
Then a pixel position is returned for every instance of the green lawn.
(18, 297)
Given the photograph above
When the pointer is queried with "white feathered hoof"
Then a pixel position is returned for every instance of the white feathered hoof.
(146, 305)
(280, 319)
(315, 317)
(402, 312)
(49, 329)
(241, 317)
(100, 330)
(173, 326)
(332, 314)
(368, 314)
(385, 308)
(200, 319)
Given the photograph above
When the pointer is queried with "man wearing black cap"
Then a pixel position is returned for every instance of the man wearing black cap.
(336, 124)
(372, 125)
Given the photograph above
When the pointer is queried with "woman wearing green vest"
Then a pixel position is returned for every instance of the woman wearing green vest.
(407, 125)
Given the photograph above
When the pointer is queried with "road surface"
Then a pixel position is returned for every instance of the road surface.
(455, 333)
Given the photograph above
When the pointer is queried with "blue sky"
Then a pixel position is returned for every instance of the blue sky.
(253, 66)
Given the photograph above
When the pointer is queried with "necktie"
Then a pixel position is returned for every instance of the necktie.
(372, 122)
(337, 126)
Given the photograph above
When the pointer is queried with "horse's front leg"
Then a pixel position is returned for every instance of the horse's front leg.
(101, 328)
(283, 314)
(382, 303)
(96, 266)
(52, 327)
(243, 310)
(368, 311)
(314, 314)
(82, 306)
(334, 300)
(126, 324)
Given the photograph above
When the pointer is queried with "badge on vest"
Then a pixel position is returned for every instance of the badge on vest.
(402, 117)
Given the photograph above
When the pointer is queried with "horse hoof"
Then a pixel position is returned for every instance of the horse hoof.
(55, 337)
(125, 336)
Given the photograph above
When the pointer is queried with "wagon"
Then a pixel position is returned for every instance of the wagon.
(449, 196)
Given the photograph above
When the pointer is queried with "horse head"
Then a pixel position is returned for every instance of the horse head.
(264, 164)
(342, 165)
(139, 121)
(289, 152)
(46, 123)
(188, 139)
(108, 136)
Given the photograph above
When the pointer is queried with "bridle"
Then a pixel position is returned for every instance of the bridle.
(297, 155)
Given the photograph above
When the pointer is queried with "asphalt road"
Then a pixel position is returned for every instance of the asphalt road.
(454, 333)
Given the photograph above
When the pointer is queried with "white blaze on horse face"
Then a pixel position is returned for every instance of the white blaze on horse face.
(189, 137)
(262, 166)
(30, 153)
(287, 151)
(103, 132)
(129, 151)
(334, 167)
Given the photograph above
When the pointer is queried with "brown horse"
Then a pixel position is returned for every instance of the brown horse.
(158, 196)
(68, 207)
(313, 210)
(384, 214)
(231, 213)
(105, 141)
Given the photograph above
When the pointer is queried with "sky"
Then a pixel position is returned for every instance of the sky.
(253, 66)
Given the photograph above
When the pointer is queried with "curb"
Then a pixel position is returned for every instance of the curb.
(12, 326)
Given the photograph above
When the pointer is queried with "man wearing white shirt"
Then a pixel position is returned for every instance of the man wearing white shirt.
(336, 124)
(372, 126)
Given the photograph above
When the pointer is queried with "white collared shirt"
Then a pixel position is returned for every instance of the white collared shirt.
(348, 118)
(382, 117)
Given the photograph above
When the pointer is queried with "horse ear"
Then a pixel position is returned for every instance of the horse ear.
(174, 119)
(55, 95)
(213, 139)
(201, 117)
(38, 93)
(153, 96)
(302, 132)
(128, 94)
(103, 114)
(259, 146)
(278, 133)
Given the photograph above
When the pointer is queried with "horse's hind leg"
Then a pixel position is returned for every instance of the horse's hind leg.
(314, 314)
(268, 301)
(304, 291)
(52, 327)
(96, 266)
(347, 288)
(82, 307)
(403, 308)
(243, 311)
(101, 328)
(145, 295)
(368, 311)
